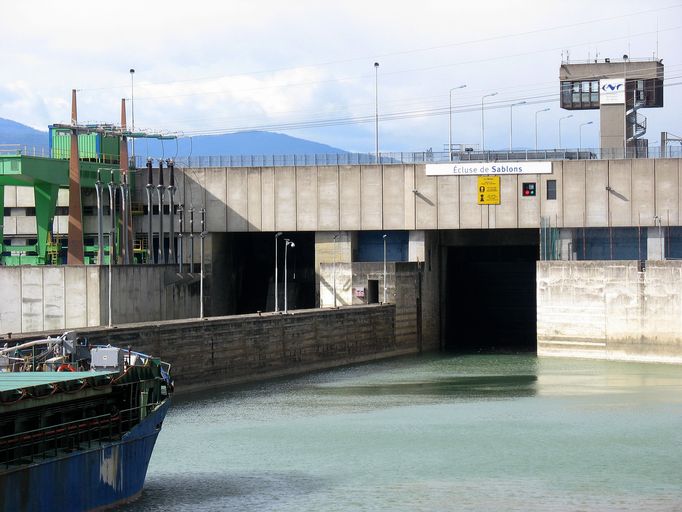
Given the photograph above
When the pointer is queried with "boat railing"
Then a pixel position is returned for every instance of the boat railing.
(46, 442)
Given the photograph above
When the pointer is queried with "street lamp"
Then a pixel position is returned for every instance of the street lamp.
(561, 119)
(450, 121)
(580, 136)
(511, 122)
(334, 267)
(483, 120)
(287, 243)
(384, 237)
(277, 235)
(536, 125)
(376, 110)
(132, 108)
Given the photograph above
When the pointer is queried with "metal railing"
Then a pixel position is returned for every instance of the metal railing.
(26, 447)
(402, 157)
(417, 157)
(19, 149)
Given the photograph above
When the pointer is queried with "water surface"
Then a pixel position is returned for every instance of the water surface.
(483, 433)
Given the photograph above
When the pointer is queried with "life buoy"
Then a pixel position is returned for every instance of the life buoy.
(65, 368)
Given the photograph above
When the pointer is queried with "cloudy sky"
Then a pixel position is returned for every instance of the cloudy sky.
(306, 68)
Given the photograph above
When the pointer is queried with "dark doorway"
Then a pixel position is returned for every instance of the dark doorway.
(372, 291)
(253, 269)
(491, 298)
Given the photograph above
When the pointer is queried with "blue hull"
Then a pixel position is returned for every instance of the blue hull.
(85, 480)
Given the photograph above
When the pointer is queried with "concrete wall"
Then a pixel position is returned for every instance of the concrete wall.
(42, 298)
(590, 193)
(610, 310)
(250, 347)
(413, 288)
(353, 198)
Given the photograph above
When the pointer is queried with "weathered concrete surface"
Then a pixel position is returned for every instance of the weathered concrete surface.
(41, 298)
(235, 349)
(610, 310)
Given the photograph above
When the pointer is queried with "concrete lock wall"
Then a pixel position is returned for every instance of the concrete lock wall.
(244, 348)
(589, 193)
(45, 298)
(610, 310)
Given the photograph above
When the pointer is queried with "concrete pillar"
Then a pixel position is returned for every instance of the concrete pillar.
(417, 246)
(655, 246)
(329, 250)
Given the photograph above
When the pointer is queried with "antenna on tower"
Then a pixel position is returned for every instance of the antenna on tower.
(657, 37)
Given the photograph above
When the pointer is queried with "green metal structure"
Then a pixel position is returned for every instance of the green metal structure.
(46, 176)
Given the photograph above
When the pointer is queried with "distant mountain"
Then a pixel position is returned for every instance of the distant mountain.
(12, 132)
(241, 143)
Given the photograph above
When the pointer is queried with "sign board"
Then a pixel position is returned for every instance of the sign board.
(488, 168)
(488, 190)
(612, 91)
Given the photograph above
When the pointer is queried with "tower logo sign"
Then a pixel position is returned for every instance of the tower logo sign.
(612, 91)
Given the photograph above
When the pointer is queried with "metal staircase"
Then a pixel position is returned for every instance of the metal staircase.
(636, 122)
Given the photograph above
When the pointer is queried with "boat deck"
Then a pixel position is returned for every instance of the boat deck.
(10, 381)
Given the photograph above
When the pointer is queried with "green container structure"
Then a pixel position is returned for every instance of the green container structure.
(92, 147)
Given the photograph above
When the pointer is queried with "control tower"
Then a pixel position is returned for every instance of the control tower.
(619, 88)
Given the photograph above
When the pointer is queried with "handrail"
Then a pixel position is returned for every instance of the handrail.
(421, 157)
(70, 435)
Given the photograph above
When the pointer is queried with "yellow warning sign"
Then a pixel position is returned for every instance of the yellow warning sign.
(488, 190)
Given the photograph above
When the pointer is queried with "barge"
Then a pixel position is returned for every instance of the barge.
(78, 423)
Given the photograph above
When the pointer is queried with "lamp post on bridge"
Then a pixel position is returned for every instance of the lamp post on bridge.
(536, 125)
(580, 137)
(483, 120)
(561, 119)
(450, 121)
(511, 122)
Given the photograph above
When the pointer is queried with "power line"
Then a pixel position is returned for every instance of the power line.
(408, 51)
(363, 119)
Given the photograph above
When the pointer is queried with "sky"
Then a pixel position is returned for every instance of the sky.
(306, 68)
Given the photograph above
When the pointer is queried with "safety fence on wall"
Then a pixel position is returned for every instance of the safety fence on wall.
(660, 240)
(388, 158)
(415, 157)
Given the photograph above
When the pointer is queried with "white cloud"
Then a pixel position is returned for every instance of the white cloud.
(208, 66)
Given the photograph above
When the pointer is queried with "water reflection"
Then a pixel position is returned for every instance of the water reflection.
(470, 388)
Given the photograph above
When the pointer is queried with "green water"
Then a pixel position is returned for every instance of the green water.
(484, 433)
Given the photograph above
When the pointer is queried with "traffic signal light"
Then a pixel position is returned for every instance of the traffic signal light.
(528, 189)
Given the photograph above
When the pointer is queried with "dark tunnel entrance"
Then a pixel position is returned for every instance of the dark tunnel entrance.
(246, 273)
(490, 297)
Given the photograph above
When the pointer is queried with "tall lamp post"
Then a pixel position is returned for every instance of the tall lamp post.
(376, 110)
(287, 243)
(580, 137)
(483, 120)
(536, 125)
(132, 113)
(511, 122)
(561, 119)
(450, 121)
(277, 235)
(384, 237)
(334, 267)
